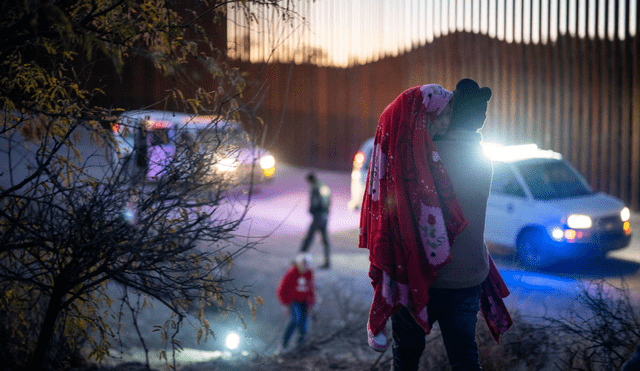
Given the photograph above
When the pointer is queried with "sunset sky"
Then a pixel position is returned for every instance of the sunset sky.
(359, 31)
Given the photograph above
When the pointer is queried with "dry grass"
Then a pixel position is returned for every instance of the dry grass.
(601, 341)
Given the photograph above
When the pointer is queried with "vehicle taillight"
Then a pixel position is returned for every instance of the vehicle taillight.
(358, 160)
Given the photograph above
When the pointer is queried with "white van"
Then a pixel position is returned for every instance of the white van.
(153, 141)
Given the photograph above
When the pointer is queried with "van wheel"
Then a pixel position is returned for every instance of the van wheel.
(529, 251)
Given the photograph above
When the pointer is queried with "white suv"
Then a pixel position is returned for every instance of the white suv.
(540, 206)
(543, 208)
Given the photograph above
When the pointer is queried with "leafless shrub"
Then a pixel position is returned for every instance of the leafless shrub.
(526, 346)
(338, 326)
(602, 332)
(523, 347)
(71, 226)
(339, 334)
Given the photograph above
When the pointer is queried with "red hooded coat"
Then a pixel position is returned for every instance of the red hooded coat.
(297, 287)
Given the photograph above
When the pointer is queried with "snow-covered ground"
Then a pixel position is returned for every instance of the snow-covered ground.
(279, 210)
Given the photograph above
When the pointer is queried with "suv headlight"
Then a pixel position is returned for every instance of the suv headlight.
(577, 221)
(556, 233)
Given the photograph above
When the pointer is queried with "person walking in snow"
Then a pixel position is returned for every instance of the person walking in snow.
(297, 292)
(319, 205)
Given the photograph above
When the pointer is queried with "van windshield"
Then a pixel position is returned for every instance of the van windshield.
(552, 180)
(219, 139)
(229, 135)
(159, 137)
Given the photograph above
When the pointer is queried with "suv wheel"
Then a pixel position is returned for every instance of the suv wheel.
(530, 253)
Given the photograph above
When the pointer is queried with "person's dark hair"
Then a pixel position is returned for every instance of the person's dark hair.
(311, 177)
(469, 105)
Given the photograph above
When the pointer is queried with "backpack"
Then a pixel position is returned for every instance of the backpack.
(325, 197)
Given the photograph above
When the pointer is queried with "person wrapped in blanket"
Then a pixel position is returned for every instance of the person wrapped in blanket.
(416, 229)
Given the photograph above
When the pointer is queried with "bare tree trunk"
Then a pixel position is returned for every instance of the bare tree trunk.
(47, 329)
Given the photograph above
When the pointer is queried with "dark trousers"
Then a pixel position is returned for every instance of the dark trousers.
(298, 321)
(456, 311)
(633, 364)
(319, 224)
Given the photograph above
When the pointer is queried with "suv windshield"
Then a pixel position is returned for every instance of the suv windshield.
(552, 180)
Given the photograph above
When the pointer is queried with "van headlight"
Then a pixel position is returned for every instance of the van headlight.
(625, 214)
(232, 341)
(227, 164)
(267, 162)
(577, 221)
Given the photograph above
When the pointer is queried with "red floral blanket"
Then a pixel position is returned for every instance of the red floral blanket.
(410, 214)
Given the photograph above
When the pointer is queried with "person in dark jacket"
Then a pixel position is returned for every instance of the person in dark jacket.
(319, 204)
(141, 154)
(297, 291)
(455, 294)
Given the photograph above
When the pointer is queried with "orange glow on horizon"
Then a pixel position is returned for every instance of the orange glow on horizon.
(344, 33)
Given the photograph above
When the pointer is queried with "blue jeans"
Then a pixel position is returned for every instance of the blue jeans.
(456, 311)
(298, 321)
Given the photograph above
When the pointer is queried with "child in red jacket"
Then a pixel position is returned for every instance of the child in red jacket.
(296, 290)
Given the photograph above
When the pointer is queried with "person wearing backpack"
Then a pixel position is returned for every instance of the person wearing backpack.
(319, 205)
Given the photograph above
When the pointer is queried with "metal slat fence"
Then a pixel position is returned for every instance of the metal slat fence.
(554, 83)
